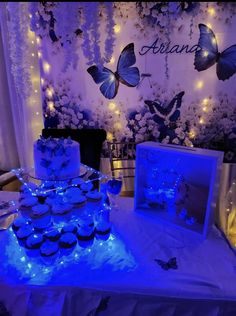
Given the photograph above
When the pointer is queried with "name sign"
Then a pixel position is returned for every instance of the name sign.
(168, 48)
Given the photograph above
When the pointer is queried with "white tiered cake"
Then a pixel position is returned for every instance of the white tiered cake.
(56, 159)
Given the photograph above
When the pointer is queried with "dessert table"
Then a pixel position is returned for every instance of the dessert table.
(121, 277)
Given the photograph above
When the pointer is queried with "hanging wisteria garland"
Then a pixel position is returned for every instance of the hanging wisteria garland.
(110, 40)
(66, 16)
(18, 26)
(64, 21)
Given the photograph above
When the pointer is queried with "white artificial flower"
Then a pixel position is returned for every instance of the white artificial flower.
(73, 126)
(80, 115)
(75, 121)
(142, 130)
(138, 117)
(132, 122)
(156, 133)
(166, 140)
(142, 122)
(187, 142)
(92, 124)
(181, 135)
(64, 99)
(175, 141)
(139, 138)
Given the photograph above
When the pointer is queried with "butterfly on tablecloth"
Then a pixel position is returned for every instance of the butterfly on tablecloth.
(125, 74)
(166, 265)
(163, 111)
(208, 55)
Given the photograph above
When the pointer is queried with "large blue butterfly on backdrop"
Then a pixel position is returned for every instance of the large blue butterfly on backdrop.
(168, 111)
(208, 55)
(125, 74)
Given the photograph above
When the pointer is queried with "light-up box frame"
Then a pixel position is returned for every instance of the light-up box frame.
(192, 176)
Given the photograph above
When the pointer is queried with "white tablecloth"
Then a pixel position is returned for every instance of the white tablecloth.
(203, 284)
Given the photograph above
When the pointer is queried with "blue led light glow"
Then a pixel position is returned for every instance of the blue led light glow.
(103, 256)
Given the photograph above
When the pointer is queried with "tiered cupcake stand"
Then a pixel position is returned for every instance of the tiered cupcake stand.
(69, 213)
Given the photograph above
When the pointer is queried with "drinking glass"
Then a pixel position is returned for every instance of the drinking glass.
(114, 185)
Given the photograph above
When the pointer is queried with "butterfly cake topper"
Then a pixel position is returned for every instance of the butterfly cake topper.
(209, 55)
(125, 73)
(168, 111)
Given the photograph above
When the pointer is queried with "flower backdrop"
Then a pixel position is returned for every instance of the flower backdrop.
(73, 36)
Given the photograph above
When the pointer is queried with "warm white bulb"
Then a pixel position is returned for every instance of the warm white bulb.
(37, 113)
(199, 84)
(201, 121)
(51, 106)
(117, 28)
(211, 11)
(46, 67)
(205, 101)
(192, 134)
(49, 92)
(111, 106)
(109, 136)
(117, 125)
(205, 53)
(32, 54)
(39, 54)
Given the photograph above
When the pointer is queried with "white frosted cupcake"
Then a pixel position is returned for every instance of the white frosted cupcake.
(102, 230)
(40, 216)
(49, 252)
(61, 212)
(26, 205)
(71, 192)
(94, 201)
(86, 186)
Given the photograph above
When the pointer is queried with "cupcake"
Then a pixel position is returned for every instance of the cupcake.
(72, 192)
(27, 204)
(19, 222)
(102, 230)
(49, 251)
(86, 186)
(52, 235)
(40, 216)
(61, 212)
(23, 233)
(85, 233)
(86, 220)
(94, 201)
(67, 243)
(33, 243)
(69, 228)
(79, 205)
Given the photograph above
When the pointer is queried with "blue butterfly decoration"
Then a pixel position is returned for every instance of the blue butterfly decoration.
(170, 264)
(163, 112)
(125, 74)
(208, 55)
